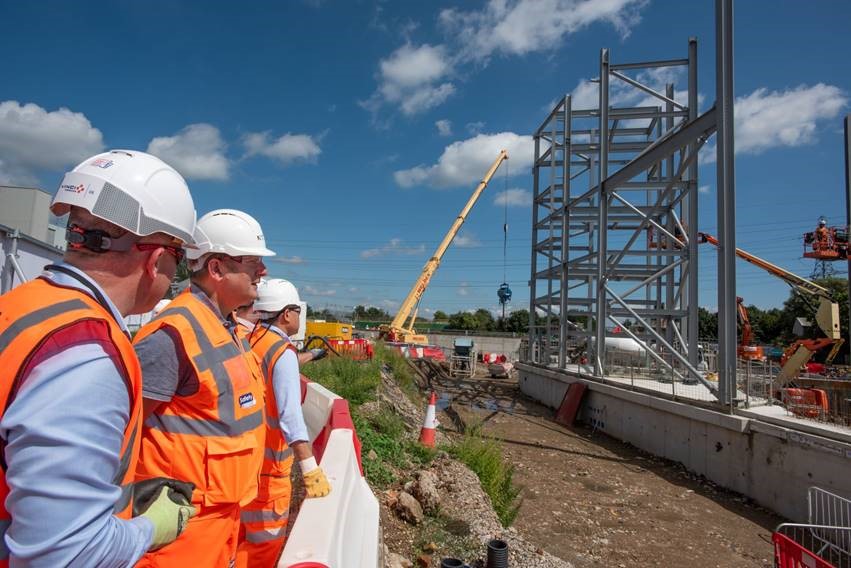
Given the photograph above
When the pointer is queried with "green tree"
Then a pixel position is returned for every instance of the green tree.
(463, 321)
(707, 324)
(440, 315)
(484, 319)
(517, 321)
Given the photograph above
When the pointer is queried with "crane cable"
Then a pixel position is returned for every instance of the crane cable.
(505, 225)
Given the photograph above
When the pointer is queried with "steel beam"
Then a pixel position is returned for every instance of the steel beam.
(726, 203)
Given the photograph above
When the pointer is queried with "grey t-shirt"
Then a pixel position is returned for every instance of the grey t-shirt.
(166, 371)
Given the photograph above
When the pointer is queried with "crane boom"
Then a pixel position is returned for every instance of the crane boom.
(397, 330)
(827, 315)
(797, 282)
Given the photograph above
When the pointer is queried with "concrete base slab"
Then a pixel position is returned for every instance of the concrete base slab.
(751, 452)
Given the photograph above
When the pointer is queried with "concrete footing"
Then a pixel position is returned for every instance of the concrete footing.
(772, 464)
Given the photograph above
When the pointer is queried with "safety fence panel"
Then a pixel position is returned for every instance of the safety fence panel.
(340, 530)
(356, 349)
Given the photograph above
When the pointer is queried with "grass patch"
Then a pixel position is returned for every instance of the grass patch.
(451, 536)
(400, 368)
(356, 381)
(484, 457)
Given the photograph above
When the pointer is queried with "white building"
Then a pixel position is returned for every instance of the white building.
(29, 237)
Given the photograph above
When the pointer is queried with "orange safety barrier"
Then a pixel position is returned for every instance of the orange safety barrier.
(357, 349)
(790, 554)
(810, 403)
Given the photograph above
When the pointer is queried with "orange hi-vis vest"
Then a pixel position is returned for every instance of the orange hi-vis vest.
(277, 455)
(214, 437)
(40, 319)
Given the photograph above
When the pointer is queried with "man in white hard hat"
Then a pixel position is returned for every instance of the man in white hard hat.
(204, 408)
(70, 382)
(265, 520)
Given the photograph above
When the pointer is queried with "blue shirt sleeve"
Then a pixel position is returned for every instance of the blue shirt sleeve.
(64, 432)
(287, 387)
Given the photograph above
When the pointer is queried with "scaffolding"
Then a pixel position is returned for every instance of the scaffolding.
(615, 218)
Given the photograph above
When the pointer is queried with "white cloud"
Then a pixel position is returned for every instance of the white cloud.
(286, 149)
(518, 27)
(475, 127)
(308, 289)
(465, 162)
(766, 119)
(288, 259)
(771, 119)
(413, 79)
(466, 240)
(703, 189)
(463, 289)
(34, 139)
(444, 127)
(395, 246)
(514, 197)
(197, 152)
(585, 95)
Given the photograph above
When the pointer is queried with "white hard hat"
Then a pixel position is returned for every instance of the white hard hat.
(274, 294)
(133, 190)
(230, 232)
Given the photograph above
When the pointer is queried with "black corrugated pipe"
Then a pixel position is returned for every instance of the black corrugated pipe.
(497, 554)
(452, 563)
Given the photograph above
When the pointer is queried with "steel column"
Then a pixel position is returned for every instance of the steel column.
(726, 181)
(602, 217)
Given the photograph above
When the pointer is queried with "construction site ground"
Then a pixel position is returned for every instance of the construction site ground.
(595, 501)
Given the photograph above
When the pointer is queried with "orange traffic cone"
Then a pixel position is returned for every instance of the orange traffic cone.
(430, 423)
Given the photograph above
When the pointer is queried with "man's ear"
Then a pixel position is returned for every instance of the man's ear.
(214, 269)
(152, 268)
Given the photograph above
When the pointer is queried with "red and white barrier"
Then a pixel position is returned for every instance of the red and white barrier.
(342, 529)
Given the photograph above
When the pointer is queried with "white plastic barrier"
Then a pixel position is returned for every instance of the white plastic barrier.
(342, 529)
(316, 408)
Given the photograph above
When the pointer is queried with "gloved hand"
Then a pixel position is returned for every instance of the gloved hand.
(315, 482)
(318, 353)
(166, 504)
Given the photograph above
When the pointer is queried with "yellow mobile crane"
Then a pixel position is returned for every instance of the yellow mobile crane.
(397, 330)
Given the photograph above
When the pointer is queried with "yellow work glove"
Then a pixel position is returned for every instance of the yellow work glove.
(315, 482)
(166, 504)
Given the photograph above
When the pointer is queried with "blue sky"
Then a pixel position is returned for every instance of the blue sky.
(355, 131)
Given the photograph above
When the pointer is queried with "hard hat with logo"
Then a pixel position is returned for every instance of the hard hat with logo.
(229, 232)
(133, 190)
(275, 294)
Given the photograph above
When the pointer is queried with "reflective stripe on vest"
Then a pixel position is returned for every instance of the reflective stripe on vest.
(257, 537)
(209, 359)
(212, 437)
(278, 456)
(259, 516)
(40, 319)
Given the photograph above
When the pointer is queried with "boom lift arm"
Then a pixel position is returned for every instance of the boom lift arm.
(827, 315)
(397, 330)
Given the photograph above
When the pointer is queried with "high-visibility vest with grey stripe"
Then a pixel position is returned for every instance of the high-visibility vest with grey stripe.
(34, 312)
(278, 456)
(213, 437)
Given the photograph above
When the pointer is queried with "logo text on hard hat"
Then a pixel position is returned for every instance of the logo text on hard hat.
(73, 188)
(101, 163)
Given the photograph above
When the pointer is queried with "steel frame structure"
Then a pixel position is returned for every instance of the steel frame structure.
(615, 219)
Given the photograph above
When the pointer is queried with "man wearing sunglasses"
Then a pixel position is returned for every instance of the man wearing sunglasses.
(70, 382)
(204, 394)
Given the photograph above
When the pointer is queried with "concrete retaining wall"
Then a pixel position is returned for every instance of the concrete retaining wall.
(769, 463)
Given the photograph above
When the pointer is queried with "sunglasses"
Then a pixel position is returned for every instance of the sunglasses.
(296, 309)
(177, 252)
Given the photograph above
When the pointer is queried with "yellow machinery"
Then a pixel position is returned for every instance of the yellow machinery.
(398, 330)
(329, 330)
